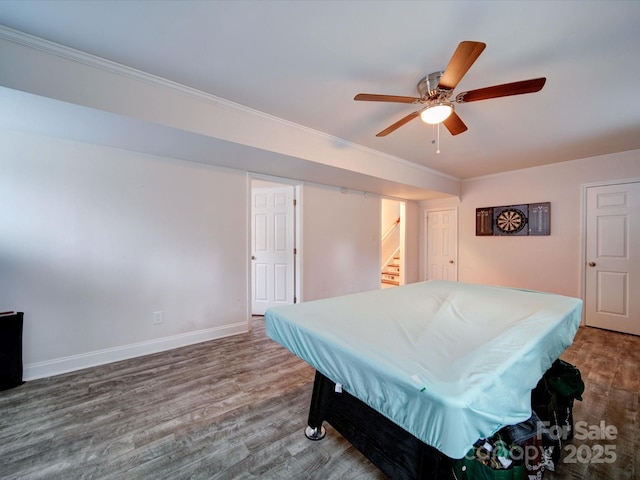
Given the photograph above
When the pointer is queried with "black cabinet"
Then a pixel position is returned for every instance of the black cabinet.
(10, 349)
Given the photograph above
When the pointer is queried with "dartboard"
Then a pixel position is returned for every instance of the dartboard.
(511, 220)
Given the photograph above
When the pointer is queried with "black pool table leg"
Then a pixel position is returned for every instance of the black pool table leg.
(315, 433)
(320, 400)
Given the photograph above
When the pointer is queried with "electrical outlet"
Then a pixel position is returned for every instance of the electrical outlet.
(157, 318)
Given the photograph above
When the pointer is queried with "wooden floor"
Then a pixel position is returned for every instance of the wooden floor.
(236, 408)
(610, 366)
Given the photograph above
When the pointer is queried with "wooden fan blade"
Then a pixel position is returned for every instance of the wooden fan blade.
(464, 56)
(505, 90)
(398, 124)
(454, 124)
(372, 97)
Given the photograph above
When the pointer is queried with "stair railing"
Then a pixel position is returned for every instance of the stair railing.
(390, 230)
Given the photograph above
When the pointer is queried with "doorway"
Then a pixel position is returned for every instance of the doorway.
(612, 256)
(274, 244)
(392, 243)
(441, 234)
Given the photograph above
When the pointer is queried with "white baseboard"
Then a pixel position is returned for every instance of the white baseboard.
(72, 363)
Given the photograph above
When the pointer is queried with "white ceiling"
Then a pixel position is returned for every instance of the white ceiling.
(304, 61)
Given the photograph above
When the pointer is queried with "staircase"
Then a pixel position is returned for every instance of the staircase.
(390, 255)
(391, 272)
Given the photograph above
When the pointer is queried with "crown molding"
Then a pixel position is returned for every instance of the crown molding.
(79, 56)
(94, 61)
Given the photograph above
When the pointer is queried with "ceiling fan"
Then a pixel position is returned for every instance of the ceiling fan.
(436, 89)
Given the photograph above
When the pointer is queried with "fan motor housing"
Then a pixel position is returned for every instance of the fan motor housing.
(428, 86)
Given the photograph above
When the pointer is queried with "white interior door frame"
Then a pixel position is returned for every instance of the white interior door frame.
(296, 241)
(583, 232)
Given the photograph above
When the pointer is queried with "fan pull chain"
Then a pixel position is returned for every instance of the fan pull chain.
(436, 133)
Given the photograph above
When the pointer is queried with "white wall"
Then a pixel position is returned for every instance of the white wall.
(341, 242)
(547, 263)
(95, 239)
(412, 242)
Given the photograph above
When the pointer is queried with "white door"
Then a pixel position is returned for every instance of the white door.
(442, 244)
(272, 247)
(612, 274)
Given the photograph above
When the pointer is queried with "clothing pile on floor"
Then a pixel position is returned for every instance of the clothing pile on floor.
(526, 450)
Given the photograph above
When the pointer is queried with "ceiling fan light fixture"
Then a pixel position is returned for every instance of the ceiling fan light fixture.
(437, 113)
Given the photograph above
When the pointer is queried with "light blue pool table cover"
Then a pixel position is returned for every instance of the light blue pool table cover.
(448, 362)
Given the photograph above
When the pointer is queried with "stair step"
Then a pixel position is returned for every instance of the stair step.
(390, 274)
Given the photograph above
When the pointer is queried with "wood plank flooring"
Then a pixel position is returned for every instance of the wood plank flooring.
(235, 408)
(610, 366)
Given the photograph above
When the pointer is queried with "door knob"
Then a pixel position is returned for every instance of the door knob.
(592, 264)
(253, 257)
(450, 261)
